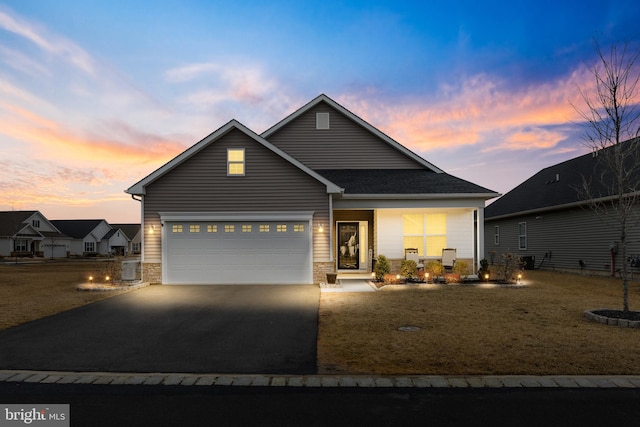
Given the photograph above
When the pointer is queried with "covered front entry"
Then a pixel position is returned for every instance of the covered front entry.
(237, 252)
(353, 240)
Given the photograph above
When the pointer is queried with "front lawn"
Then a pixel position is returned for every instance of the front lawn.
(35, 290)
(537, 330)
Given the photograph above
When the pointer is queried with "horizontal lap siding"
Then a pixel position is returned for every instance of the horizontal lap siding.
(346, 145)
(201, 184)
(570, 236)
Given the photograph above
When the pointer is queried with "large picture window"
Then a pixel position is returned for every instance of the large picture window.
(426, 232)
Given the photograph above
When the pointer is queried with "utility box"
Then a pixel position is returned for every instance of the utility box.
(130, 271)
(528, 262)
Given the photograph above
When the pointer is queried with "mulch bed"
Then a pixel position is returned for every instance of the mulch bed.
(619, 314)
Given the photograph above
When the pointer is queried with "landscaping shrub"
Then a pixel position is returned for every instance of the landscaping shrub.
(382, 267)
(409, 269)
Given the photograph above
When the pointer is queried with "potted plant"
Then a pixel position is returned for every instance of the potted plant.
(331, 278)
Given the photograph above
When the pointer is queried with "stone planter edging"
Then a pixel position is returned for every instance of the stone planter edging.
(623, 323)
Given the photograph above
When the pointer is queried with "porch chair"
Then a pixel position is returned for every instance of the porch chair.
(412, 254)
(448, 258)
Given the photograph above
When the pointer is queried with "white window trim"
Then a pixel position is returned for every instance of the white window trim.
(520, 236)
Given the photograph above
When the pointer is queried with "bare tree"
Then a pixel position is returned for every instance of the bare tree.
(612, 117)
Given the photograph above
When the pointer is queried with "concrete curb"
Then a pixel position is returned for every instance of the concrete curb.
(325, 381)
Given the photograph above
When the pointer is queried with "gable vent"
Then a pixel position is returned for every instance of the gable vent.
(322, 120)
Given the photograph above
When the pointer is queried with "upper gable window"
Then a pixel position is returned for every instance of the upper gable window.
(322, 121)
(235, 162)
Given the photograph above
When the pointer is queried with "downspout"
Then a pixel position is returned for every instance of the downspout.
(133, 196)
(330, 227)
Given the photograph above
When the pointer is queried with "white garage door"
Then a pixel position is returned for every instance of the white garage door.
(231, 252)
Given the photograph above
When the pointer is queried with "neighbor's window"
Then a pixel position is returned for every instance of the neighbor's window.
(246, 228)
(522, 235)
(212, 228)
(235, 161)
(426, 232)
(281, 228)
(264, 228)
(20, 245)
(176, 228)
(36, 223)
(298, 228)
(89, 246)
(229, 228)
(496, 235)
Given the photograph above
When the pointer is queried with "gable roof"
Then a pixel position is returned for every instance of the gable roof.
(398, 182)
(130, 230)
(556, 186)
(384, 137)
(139, 187)
(12, 222)
(77, 228)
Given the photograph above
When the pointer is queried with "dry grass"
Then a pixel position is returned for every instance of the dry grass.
(537, 330)
(33, 291)
(464, 330)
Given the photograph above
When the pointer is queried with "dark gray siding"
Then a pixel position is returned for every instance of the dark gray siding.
(346, 145)
(567, 235)
(201, 184)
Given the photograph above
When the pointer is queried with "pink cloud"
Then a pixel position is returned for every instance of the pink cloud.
(477, 111)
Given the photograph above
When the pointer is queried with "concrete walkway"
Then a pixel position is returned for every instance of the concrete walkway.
(365, 381)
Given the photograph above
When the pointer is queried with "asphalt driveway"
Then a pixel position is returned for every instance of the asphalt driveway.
(215, 329)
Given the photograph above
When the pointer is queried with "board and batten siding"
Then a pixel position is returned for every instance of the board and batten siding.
(390, 235)
(345, 145)
(201, 184)
(568, 235)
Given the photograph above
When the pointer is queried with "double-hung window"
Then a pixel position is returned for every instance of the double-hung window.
(235, 162)
(522, 235)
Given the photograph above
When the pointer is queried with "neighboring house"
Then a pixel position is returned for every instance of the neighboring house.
(89, 235)
(547, 221)
(134, 233)
(29, 233)
(321, 191)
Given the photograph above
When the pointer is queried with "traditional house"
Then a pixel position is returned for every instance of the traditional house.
(547, 219)
(320, 191)
(29, 233)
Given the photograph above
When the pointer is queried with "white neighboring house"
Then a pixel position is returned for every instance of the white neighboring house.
(88, 235)
(30, 233)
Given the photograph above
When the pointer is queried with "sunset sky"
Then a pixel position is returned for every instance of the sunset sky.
(94, 95)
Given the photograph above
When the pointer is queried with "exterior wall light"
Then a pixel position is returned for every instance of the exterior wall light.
(152, 229)
(320, 229)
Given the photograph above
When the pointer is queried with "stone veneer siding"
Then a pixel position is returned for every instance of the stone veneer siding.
(152, 272)
(320, 270)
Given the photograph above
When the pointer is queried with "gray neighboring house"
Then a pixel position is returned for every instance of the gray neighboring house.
(546, 221)
(29, 233)
(134, 234)
(89, 236)
(320, 191)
